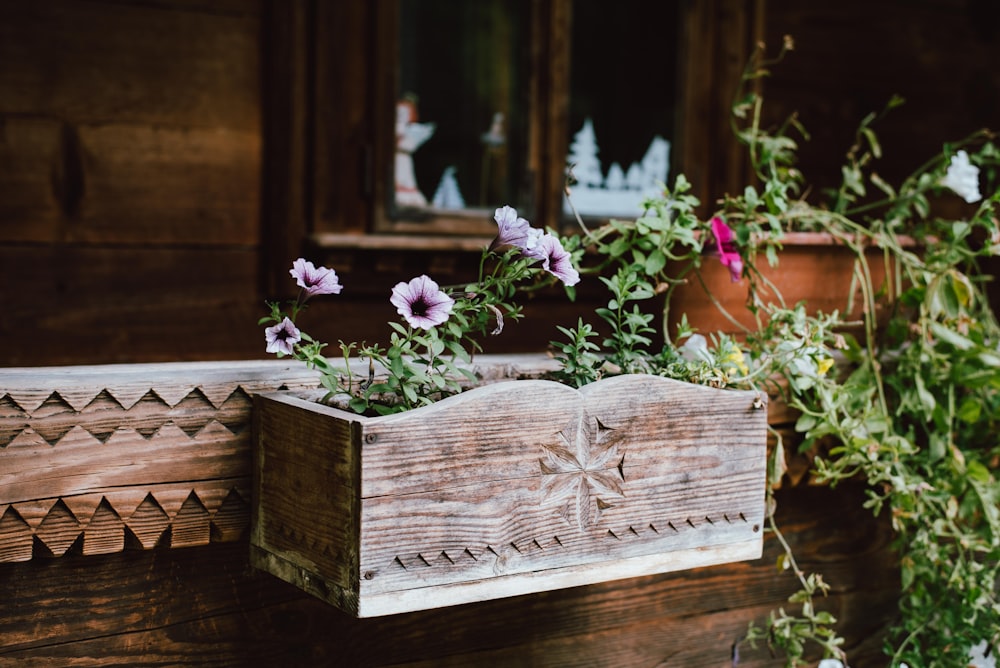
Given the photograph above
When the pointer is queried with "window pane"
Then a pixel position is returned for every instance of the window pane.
(462, 108)
(622, 103)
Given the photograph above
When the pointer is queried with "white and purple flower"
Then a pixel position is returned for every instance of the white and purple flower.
(421, 302)
(555, 259)
(281, 338)
(321, 281)
(512, 230)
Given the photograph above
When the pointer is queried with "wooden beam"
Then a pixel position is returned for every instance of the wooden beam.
(95, 458)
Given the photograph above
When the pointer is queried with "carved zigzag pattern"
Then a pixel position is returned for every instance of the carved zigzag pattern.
(537, 547)
(101, 459)
(131, 518)
(28, 420)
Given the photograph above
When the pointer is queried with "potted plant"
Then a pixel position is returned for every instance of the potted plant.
(899, 388)
(423, 479)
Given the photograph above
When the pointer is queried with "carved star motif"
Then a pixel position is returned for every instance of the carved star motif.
(583, 470)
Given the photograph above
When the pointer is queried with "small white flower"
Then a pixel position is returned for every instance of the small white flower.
(978, 658)
(963, 178)
(695, 348)
(830, 663)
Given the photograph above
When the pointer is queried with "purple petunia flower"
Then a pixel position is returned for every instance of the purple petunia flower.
(511, 229)
(728, 255)
(315, 281)
(421, 302)
(555, 259)
(281, 338)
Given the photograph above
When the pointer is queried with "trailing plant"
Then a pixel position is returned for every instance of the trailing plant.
(912, 406)
(907, 399)
(913, 412)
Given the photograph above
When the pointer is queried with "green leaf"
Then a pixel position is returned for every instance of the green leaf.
(927, 400)
(805, 423)
(962, 288)
(776, 464)
(872, 141)
(950, 336)
(882, 185)
(970, 410)
(985, 487)
(852, 180)
(655, 262)
(618, 247)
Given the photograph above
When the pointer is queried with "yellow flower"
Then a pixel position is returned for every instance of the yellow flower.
(824, 365)
(735, 356)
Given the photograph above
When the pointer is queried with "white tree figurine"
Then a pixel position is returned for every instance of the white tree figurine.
(583, 155)
(616, 177)
(620, 193)
(448, 195)
(635, 177)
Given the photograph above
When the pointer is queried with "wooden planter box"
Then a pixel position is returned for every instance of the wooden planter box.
(510, 488)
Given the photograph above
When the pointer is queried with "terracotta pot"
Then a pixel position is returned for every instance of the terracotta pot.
(812, 267)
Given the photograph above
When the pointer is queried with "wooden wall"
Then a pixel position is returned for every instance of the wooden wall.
(205, 606)
(852, 56)
(124, 510)
(131, 220)
(123, 515)
(130, 180)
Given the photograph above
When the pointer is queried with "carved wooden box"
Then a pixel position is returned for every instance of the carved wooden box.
(510, 488)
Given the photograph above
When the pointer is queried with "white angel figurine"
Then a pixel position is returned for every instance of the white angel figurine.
(410, 135)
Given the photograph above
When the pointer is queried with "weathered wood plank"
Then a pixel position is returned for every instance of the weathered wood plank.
(135, 63)
(508, 488)
(291, 485)
(118, 454)
(204, 605)
(145, 128)
(128, 183)
(80, 305)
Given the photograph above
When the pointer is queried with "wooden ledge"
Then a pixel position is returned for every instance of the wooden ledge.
(99, 459)
(94, 459)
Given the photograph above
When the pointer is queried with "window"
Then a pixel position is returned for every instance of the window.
(623, 103)
(488, 100)
(462, 104)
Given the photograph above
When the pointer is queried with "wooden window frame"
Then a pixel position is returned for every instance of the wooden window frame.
(330, 85)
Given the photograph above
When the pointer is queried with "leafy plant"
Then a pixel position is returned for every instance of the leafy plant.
(907, 402)
(913, 406)
(443, 326)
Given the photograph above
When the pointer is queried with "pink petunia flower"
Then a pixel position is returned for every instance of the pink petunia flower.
(511, 229)
(555, 259)
(421, 302)
(728, 255)
(321, 281)
(281, 338)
